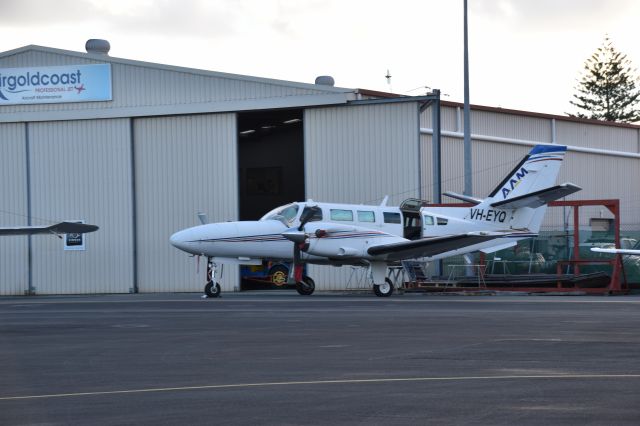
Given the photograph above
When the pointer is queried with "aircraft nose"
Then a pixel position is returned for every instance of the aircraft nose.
(180, 240)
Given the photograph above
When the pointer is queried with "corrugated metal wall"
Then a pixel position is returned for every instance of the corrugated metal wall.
(490, 163)
(601, 176)
(359, 154)
(13, 209)
(184, 165)
(511, 126)
(604, 176)
(595, 136)
(362, 153)
(81, 170)
(490, 160)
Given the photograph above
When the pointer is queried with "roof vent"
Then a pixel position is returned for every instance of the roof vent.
(97, 46)
(325, 80)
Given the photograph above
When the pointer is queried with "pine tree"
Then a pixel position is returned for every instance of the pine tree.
(607, 89)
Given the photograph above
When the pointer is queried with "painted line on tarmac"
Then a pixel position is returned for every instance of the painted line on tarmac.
(327, 382)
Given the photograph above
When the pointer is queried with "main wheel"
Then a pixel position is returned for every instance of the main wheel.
(306, 286)
(212, 289)
(383, 290)
(279, 274)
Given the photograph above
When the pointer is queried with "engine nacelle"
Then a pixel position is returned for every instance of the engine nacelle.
(348, 251)
(333, 249)
(334, 241)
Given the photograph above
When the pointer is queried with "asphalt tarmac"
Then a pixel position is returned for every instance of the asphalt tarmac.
(277, 358)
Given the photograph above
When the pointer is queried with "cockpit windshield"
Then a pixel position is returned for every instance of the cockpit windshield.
(285, 214)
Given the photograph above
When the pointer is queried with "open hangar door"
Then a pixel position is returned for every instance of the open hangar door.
(270, 174)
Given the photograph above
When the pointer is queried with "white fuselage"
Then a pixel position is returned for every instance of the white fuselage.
(377, 236)
(348, 231)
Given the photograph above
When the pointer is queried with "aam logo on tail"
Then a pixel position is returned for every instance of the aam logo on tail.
(514, 182)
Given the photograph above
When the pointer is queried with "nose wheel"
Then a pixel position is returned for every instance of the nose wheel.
(212, 288)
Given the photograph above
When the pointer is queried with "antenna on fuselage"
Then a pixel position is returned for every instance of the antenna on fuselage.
(203, 218)
(384, 201)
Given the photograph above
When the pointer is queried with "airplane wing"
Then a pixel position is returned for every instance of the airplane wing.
(428, 247)
(538, 198)
(630, 252)
(58, 228)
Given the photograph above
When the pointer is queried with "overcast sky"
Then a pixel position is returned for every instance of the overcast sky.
(524, 54)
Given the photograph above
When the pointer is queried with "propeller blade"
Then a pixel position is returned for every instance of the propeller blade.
(300, 241)
(297, 262)
(307, 215)
(296, 254)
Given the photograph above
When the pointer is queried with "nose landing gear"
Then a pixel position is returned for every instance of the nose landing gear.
(212, 288)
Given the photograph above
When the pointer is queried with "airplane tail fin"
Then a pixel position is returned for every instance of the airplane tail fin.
(528, 188)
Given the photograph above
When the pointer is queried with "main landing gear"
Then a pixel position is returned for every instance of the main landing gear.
(212, 288)
(306, 286)
(378, 272)
(383, 290)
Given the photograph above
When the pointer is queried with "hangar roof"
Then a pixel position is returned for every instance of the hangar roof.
(144, 89)
(500, 110)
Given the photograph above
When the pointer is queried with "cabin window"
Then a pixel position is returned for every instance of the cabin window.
(428, 220)
(365, 216)
(391, 217)
(317, 216)
(342, 215)
(442, 221)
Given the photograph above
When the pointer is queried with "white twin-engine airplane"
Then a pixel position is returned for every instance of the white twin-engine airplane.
(379, 236)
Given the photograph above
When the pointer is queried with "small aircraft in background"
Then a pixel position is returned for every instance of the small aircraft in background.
(56, 229)
(379, 236)
(629, 252)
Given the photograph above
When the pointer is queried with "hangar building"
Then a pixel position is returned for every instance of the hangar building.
(139, 148)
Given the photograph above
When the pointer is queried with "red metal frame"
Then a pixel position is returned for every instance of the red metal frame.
(617, 272)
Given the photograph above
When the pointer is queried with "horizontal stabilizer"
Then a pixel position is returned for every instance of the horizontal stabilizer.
(461, 197)
(538, 198)
(58, 228)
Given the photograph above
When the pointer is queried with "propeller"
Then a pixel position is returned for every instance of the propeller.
(300, 240)
(307, 215)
